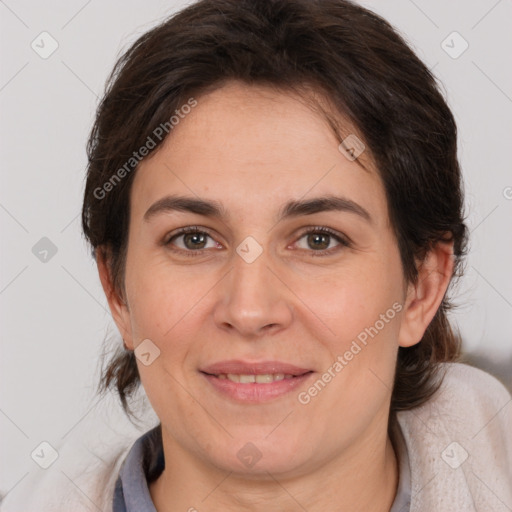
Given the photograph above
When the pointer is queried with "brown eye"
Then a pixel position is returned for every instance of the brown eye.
(194, 240)
(319, 239)
(190, 240)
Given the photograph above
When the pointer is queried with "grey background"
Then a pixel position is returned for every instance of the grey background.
(54, 316)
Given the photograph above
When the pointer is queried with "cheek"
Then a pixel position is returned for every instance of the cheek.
(162, 309)
(355, 298)
(160, 297)
(363, 311)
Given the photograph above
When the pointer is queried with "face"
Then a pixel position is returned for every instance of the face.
(305, 299)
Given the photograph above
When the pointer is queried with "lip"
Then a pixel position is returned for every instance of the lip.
(253, 368)
(254, 392)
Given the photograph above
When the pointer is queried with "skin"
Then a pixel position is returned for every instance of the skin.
(265, 148)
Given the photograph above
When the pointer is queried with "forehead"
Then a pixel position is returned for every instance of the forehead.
(257, 143)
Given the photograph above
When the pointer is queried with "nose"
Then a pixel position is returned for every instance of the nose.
(253, 301)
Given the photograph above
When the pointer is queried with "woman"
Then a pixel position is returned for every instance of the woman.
(274, 203)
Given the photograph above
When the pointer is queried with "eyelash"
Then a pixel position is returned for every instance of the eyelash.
(343, 241)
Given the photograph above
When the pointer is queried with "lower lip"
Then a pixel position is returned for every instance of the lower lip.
(254, 392)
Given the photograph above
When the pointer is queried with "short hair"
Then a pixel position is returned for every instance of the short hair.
(360, 65)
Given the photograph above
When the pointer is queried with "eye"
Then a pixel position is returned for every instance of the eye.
(320, 239)
(193, 240)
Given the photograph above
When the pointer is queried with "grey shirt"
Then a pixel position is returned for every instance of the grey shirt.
(145, 462)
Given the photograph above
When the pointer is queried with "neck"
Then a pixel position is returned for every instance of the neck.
(363, 478)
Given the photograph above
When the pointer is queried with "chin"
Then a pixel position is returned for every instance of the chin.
(256, 458)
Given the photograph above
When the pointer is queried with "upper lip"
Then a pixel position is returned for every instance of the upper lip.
(238, 367)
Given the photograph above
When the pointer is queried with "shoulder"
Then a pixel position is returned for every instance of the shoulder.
(460, 442)
(469, 377)
(84, 475)
(78, 480)
(466, 397)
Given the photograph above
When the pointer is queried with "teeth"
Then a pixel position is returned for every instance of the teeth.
(266, 378)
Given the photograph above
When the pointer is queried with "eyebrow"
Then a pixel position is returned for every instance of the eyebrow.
(292, 209)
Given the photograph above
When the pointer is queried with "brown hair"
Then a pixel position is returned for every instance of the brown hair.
(359, 63)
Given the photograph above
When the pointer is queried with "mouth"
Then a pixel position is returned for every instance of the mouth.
(265, 378)
(254, 382)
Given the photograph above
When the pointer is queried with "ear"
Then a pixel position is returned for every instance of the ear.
(117, 304)
(425, 296)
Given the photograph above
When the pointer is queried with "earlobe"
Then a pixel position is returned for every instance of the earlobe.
(117, 304)
(425, 296)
